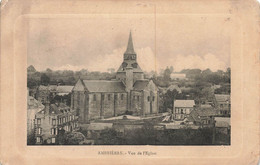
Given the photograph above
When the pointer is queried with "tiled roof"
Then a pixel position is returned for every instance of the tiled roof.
(104, 86)
(184, 103)
(140, 84)
(222, 98)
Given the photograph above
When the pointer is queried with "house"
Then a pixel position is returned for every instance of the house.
(182, 108)
(222, 103)
(130, 93)
(223, 125)
(33, 107)
(203, 118)
(52, 119)
(178, 76)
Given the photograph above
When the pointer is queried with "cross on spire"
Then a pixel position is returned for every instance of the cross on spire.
(130, 46)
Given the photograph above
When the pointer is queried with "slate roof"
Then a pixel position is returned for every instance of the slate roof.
(32, 103)
(55, 109)
(184, 103)
(104, 86)
(222, 98)
(140, 84)
(130, 46)
(222, 121)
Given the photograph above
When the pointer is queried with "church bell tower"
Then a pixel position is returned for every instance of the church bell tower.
(129, 62)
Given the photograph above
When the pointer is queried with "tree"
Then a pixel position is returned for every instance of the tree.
(45, 80)
(31, 69)
(167, 74)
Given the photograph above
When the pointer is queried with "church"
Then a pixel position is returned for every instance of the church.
(130, 93)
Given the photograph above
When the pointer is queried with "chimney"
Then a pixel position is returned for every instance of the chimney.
(129, 78)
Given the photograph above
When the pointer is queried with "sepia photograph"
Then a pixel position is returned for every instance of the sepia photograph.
(129, 80)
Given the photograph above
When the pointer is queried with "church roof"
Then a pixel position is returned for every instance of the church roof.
(140, 84)
(130, 45)
(104, 86)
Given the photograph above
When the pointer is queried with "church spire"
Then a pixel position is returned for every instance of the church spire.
(130, 46)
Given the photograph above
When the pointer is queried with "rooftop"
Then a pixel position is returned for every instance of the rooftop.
(104, 86)
(184, 103)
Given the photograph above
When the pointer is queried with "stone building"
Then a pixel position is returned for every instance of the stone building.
(52, 119)
(182, 108)
(129, 93)
(33, 107)
(222, 104)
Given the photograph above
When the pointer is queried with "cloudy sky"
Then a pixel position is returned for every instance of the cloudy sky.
(97, 42)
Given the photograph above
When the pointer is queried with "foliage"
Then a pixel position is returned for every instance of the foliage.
(45, 80)
(150, 136)
(69, 138)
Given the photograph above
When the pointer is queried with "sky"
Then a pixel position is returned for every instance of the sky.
(98, 42)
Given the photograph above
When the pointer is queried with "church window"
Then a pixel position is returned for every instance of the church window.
(102, 97)
(115, 96)
(108, 97)
(122, 96)
(153, 98)
(148, 98)
(94, 97)
(138, 98)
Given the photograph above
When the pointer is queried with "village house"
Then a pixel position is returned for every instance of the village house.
(178, 76)
(182, 108)
(202, 118)
(129, 93)
(52, 119)
(33, 107)
(222, 103)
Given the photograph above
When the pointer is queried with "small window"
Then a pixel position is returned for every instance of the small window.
(108, 97)
(122, 96)
(52, 140)
(153, 98)
(38, 139)
(102, 97)
(115, 96)
(39, 131)
(53, 131)
(138, 98)
(94, 97)
(53, 121)
(38, 121)
(148, 98)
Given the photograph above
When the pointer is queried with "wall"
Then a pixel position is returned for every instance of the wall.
(136, 105)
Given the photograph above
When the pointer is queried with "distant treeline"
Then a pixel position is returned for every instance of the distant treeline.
(163, 79)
